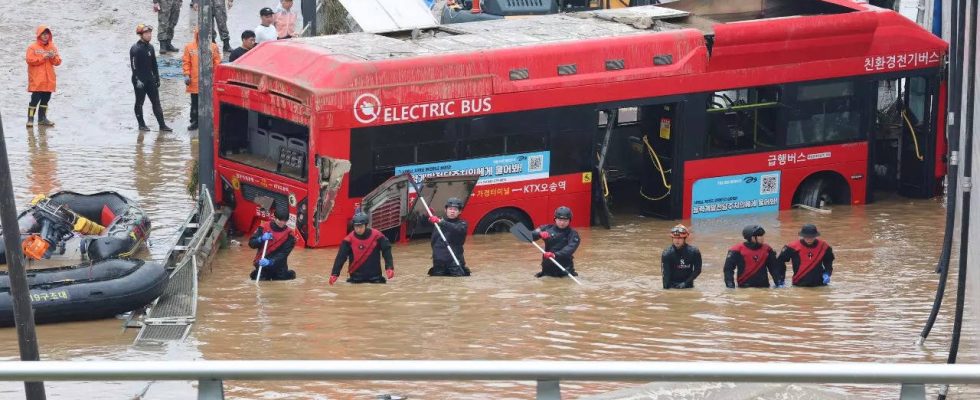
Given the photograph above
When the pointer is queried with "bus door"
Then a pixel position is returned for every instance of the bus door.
(904, 137)
(917, 145)
(635, 147)
(659, 138)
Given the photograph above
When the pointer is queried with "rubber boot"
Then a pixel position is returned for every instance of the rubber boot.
(42, 116)
(30, 116)
(227, 47)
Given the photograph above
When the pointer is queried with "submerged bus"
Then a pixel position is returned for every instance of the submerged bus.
(647, 110)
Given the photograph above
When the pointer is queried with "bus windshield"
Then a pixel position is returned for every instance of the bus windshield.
(263, 141)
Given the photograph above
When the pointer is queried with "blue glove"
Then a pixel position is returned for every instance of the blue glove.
(266, 236)
(780, 284)
(264, 262)
(826, 279)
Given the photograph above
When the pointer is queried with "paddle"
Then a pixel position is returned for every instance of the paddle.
(523, 234)
(258, 275)
(418, 192)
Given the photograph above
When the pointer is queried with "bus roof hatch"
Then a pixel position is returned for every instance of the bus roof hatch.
(377, 16)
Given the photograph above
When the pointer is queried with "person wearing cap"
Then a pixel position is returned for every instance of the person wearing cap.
(146, 77)
(813, 259)
(168, 15)
(192, 72)
(560, 243)
(455, 230)
(42, 57)
(281, 241)
(751, 259)
(363, 249)
(680, 263)
(266, 31)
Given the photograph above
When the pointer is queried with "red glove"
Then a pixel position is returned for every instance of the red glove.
(434, 219)
(390, 272)
(545, 235)
(333, 279)
(549, 254)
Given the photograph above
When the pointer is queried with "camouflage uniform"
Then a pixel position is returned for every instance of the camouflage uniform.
(168, 16)
(220, 15)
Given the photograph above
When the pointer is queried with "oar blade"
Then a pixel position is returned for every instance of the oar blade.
(521, 232)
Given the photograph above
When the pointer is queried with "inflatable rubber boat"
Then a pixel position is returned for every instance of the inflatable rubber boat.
(90, 239)
(91, 291)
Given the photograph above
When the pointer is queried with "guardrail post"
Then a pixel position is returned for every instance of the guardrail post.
(210, 389)
(913, 391)
(551, 390)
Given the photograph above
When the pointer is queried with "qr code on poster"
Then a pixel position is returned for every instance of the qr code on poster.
(769, 184)
(535, 163)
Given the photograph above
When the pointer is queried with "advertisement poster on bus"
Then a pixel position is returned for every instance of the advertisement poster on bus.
(492, 170)
(735, 194)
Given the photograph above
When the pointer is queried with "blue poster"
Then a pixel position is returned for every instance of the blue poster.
(735, 194)
(492, 170)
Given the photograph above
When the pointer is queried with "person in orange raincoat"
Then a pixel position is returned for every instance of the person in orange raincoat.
(42, 57)
(192, 74)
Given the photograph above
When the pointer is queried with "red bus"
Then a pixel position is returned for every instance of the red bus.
(643, 110)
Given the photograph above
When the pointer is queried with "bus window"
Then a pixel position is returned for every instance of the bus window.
(917, 98)
(526, 143)
(263, 141)
(823, 113)
(743, 120)
(485, 147)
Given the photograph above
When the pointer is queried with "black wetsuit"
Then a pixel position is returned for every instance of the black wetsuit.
(278, 269)
(372, 246)
(442, 261)
(680, 266)
(562, 242)
(814, 275)
(762, 256)
(145, 79)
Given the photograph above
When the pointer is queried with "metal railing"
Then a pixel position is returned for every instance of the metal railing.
(547, 374)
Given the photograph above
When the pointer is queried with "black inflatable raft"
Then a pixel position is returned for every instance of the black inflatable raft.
(90, 291)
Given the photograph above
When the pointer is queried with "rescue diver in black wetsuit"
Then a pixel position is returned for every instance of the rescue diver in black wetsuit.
(752, 259)
(813, 259)
(455, 229)
(680, 262)
(560, 243)
(364, 248)
(281, 243)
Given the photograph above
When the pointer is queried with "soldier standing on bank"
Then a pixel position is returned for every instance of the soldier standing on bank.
(169, 13)
(219, 13)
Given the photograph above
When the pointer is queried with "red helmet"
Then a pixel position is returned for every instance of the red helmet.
(679, 231)
(143, 28)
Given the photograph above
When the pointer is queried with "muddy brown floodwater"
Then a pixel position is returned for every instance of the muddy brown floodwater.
(881, 293)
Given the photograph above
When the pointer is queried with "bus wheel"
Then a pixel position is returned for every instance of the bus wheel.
(821, 191)
(501, 220)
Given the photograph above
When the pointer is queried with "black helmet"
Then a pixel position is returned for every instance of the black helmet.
(563, 212)
(281, 213)
(752, 230)
(809, 231)
(360, 219)
(454, 202)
